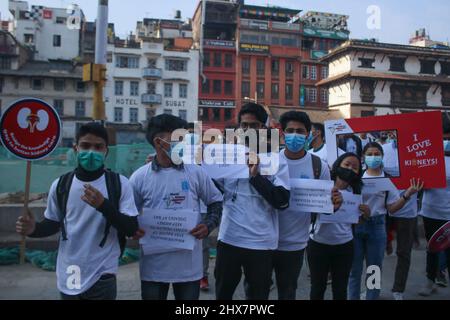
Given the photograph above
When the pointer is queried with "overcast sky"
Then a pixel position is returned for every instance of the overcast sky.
(399, 19)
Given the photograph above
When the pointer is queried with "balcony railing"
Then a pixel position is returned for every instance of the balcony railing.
(152, 73)
(148, 98)
(269, 25)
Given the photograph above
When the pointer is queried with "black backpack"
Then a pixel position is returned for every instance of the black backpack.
(114, 187)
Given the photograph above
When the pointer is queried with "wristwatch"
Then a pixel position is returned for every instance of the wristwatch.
(405, 198)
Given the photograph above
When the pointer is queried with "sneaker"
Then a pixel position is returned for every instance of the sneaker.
(204, 284)
(428, 288)
(329, 280)
(441, 280)
(397, 295)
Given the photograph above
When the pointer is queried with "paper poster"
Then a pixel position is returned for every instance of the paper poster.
(347, 213)
(310, 195)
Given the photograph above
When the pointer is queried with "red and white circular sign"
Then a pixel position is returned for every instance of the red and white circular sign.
(30, 129)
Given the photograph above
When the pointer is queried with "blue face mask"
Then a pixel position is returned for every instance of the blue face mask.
(309, 140)
(373, 162)
(295, 142)
(175, 148)
(446, 146)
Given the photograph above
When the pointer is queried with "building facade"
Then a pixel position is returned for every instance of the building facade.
(370, 78)
(59, 83)
(146, 78)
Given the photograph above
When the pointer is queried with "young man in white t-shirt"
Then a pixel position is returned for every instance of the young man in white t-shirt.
(89, 250)
(435, 213)
(294, 226)
(249, 229)
(317, 145)
(161, 187)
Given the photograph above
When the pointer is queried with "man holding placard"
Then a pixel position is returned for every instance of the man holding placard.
(167, 193)
(249, 228)
(294, 222)
(83, 205)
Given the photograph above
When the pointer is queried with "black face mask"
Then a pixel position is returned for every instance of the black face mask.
(346, 175)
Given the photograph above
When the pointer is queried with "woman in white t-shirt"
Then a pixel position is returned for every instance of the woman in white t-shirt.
(370, 236)
(330, 249)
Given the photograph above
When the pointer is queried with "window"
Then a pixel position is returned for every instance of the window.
(80, 109)
(322, 44)
(324, 95)
(227, 114)
(59, 106)
(260, 67)
(313, 73)
(80, 86)
(205, 86)
(246, 66)
(183, 90)
(275, 67)
(216, 114)
(151, 63)
(109, 57)
(260, 90)
(134, 115)
(167, 111)
(151, 88)
(176, 65)
(5, 63)
(312, 95)
(182, 114)
(217, 87)
(127, 62)
(427, 66)
(58, 84)
(324, 72)
(168, 90)
(37, 84)
(228, 87)
(367, 90)
(204, 114)
(206, 59)
(56, 40)
(61, 20)
(366, 63)
(275, 91)
(217, 59)
(305, 72)
(245, 89)
(289, 69)
(134, 88)
(397, 64)
(118, 88)
(445, 68)
(228, 60)
(28, 38)
(289, 92)
(118, 114)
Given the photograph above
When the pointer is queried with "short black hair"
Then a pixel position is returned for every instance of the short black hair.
(256, 109)
(298, 116)
(94, 128)
(373, 145)
(164, 123)
(319, 127)
(446, 122)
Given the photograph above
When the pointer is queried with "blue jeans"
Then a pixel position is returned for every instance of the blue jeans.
(369, 243)
(158, 290)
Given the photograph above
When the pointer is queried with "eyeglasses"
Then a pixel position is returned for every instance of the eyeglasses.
(292, 130)
(250, 125)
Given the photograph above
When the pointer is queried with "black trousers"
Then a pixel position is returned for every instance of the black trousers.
(257, 266)
(287, 266)
(431, 226)
(104, 289)
(324, 259)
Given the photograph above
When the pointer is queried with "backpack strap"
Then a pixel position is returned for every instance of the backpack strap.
(317, 166)
(62, 195)
(317, 170)
(114, 189)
